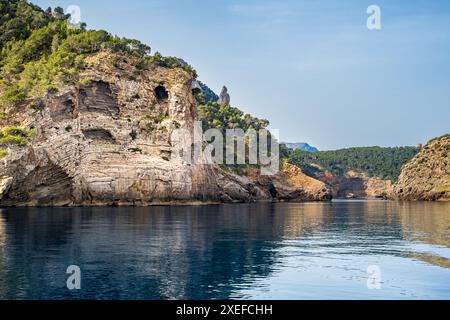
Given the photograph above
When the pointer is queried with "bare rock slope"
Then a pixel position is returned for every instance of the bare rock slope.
(427, 176)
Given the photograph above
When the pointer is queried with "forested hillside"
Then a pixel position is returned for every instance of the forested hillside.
(385, 163)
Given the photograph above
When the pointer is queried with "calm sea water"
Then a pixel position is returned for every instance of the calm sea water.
(257, 251)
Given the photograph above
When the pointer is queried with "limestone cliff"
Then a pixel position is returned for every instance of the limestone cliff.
(108, 142)
(427, 176)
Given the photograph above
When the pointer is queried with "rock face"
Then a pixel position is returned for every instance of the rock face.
(224, 97)
(108, 142)
(356, 186)
(291, 177)
(291, 184)
(427, 176)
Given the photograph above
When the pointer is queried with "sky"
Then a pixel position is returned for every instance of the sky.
(311, 67)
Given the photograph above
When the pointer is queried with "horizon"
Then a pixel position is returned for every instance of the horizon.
(342, 84)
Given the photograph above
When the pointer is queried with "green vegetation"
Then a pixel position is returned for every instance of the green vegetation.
(219, 116)
(152, 123)
(385, 163)
(39, 50)
(203, 94)
(440, 138)
(169, 62)
(442, 188)
(135, 150)
(199, 96)
(3, 153)
(222, 117)
(133, 134)
(16, 135)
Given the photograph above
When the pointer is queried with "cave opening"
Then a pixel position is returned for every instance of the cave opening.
(161, 93)
(99, 134)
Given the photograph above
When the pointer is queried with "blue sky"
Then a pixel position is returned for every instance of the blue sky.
(311, 67)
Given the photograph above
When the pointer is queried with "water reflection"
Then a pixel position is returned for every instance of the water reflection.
(228, 251)
(426, 222)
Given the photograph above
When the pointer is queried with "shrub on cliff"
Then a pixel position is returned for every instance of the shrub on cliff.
(171, 62)
(219, 116)
(3, 153)
(16, 135)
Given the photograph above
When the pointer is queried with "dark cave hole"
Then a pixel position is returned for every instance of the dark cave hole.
(161, 93)
(98, 134)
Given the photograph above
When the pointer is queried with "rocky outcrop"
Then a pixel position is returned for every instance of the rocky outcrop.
(378, 188)
(108, 142)
(292, 177)
(291, 184)
(427, 176)
(224, 97)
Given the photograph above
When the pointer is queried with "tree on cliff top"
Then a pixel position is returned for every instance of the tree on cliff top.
(220, 116)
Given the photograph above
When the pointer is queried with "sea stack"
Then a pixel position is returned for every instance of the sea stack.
(224, 96)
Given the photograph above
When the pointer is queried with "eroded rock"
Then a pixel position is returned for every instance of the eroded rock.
(224, 97)
(427, 176)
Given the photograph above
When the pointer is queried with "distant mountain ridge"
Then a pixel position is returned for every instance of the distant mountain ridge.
(301, 146)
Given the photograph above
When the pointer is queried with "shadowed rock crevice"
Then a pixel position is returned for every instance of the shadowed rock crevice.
(161, 93)
(98, 97)
(62, 107)
(99, 134)
(46, 185)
